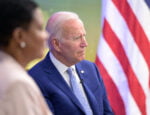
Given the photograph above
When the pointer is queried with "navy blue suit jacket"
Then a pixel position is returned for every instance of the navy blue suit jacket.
(58, 94)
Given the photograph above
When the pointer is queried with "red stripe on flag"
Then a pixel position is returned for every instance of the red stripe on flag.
(135, 28)
(114, 97)
(118, 50)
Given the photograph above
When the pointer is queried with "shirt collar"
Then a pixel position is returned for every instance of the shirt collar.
(60, 66)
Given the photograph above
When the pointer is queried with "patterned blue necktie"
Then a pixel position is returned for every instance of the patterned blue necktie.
(78, 93)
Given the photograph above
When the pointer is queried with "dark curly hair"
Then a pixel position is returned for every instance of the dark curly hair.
(13, 14)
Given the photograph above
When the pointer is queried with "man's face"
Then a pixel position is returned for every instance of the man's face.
(73, 42)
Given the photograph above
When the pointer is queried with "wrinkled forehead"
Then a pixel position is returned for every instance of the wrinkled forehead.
(73, 27)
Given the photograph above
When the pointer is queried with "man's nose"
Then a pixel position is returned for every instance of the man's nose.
(84, 42)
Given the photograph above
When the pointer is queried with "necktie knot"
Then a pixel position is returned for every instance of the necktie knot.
(69, 70)
(71, 77)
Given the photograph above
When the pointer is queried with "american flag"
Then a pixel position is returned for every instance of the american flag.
(123, 55)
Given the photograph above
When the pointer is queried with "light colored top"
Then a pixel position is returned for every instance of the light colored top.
(19, 94)
(63, 71)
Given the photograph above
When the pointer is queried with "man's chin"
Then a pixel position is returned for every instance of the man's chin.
(82, 58)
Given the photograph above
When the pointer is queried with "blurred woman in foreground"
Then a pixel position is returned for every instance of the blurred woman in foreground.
(22, 39)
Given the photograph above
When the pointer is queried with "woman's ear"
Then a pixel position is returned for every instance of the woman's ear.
(18, 36)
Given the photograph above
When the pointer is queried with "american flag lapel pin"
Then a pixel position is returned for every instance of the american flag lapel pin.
(82, 71)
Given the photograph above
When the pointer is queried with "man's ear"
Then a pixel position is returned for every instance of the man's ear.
(56, 45)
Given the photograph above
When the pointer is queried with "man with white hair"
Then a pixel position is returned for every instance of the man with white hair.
(70, 84)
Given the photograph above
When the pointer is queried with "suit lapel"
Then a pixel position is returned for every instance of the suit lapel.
(56, 78)
(82, 72)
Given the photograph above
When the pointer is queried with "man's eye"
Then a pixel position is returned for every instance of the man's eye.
(76, 38)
